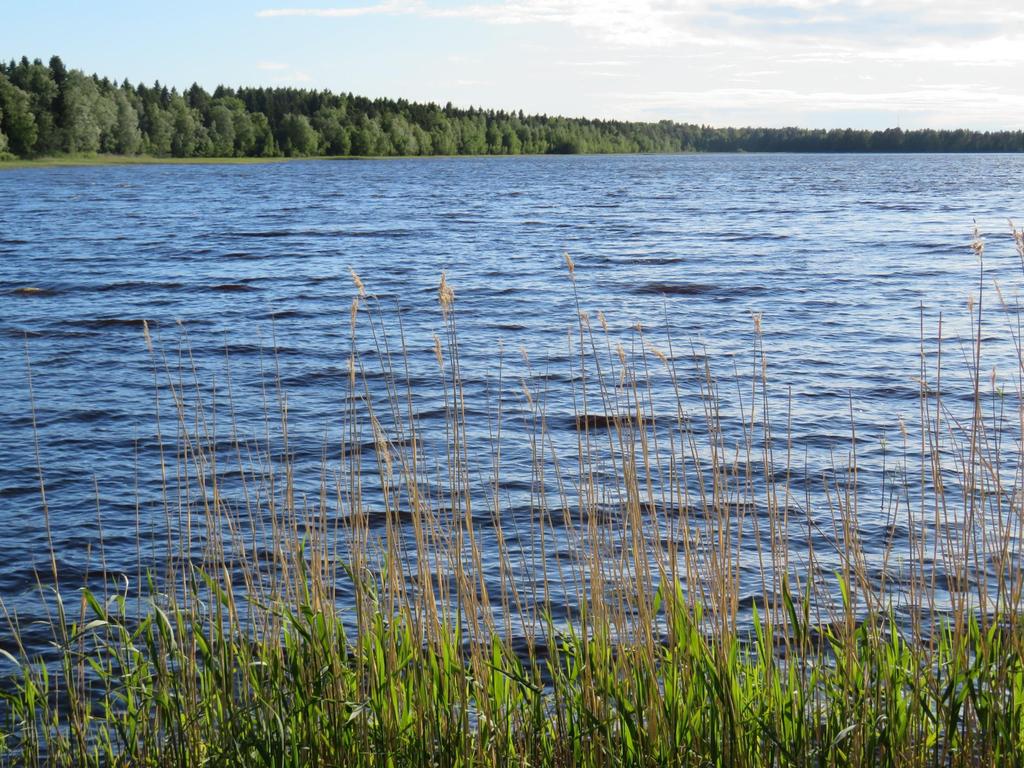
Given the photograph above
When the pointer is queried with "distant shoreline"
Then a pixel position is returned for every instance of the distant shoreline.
(50, 110)
(78, 161)
(67, 161)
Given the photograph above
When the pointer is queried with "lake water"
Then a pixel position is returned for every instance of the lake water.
(838, 252)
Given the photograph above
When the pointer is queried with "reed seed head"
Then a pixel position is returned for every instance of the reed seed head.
(359, 283)
(445, 294)
(526, 392)
(438, 355)
(1018, 238)
(978, 243)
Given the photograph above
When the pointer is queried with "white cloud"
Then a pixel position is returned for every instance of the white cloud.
(943, 58)
(643, 22)
(719, 23)
(390, 8)
(294, 78)
(284, 74)
(591, 64)
(947, 106)
(999, 51)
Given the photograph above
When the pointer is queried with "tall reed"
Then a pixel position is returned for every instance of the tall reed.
(660, 590)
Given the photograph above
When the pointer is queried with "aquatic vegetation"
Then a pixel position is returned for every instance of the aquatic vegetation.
(369, 624)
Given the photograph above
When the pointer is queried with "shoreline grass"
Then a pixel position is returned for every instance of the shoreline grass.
(86, 160)
(76, 160)
(69, 161)
(405, 617)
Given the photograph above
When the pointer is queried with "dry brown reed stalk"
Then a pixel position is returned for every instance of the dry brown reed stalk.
(659, 595)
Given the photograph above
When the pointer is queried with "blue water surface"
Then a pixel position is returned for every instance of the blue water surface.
(843, 255)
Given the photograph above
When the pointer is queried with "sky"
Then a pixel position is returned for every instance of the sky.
(811, 63)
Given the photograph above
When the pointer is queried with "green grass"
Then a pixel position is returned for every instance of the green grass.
(57, 161)
(73, 160)
(633, 649)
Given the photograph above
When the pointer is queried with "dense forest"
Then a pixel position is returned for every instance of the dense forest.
(47, 109)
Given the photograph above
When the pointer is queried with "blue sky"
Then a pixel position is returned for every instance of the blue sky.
(816, 63)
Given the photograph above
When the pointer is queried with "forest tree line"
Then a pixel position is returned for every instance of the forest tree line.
(47, 109)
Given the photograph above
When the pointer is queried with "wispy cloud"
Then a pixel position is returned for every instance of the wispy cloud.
(945, 106)
(294, 78)
(1001, 51)
(594, 63)
(284, 74)
(389, 8)
(715, 22)
(646, 22)
(814, 57)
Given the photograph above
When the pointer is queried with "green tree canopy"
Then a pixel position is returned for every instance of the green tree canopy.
(16, 119)
(297, 137)
(47, 109)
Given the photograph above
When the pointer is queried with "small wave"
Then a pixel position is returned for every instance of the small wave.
(272, 233)
(889, 392)
(744, 290)
(314, 377)
(288, 314)
(506, 291)
(601, 420)
(262, 233)
(139, 285)
(654, 260)
(109, 322)
(232, 288)
(386, 233)
(90, 415)
(430, 413)
(745, 237)
(951, 248)
(675, 289)
(14, 491)
(244, 349)
(885, 205)
(21, 333)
